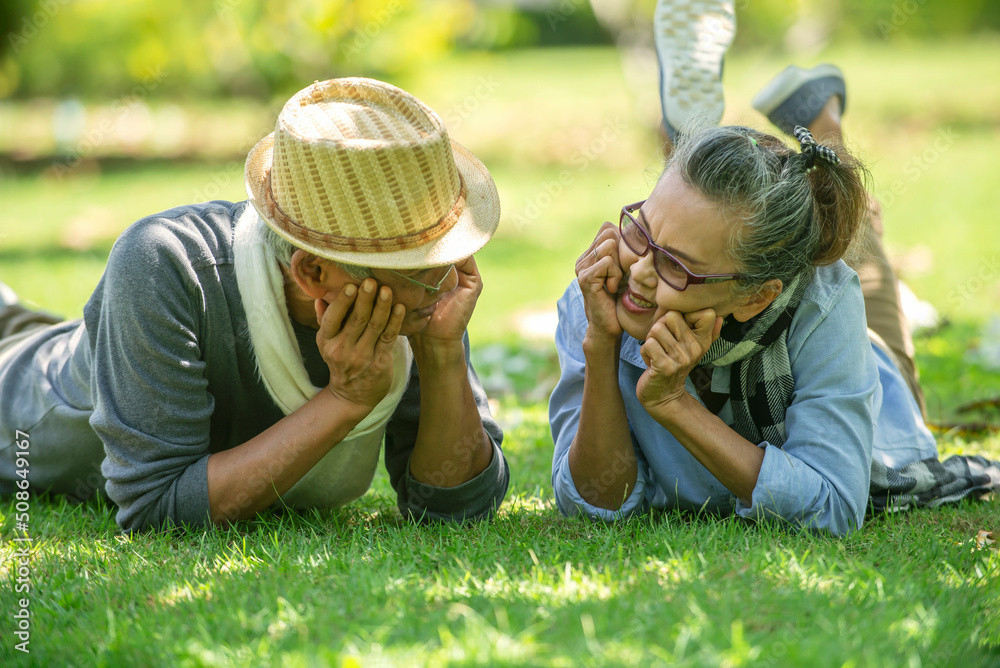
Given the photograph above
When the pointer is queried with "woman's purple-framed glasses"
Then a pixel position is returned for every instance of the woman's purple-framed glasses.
(669, 268)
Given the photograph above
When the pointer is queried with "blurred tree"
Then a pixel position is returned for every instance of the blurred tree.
(265, 48)
(15, 21)
(14, 17)
(795, 23)
(226, 47)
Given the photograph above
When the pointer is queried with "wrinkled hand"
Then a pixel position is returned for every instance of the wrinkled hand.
(672, 348)
(451, 318)
(599, 274)
(358, 347)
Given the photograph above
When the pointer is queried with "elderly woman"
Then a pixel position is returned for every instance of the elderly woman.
(714, 348)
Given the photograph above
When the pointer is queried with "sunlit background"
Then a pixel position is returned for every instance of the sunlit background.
(112, 111)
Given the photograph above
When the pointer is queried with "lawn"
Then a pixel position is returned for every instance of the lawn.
(568, 142)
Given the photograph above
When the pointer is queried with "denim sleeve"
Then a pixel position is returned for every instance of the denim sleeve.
(819, 479)
(475, 499)
(152, 407)
(564, 416)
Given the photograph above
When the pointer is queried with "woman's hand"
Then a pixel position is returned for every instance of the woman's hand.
(672, 349)
(358, 347)
(599, 274)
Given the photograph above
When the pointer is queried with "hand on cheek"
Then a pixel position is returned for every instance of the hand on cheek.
(454, 308)
(356, 337)
(674, 345)
(600, 276)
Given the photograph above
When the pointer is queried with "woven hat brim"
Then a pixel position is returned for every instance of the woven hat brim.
(476, 224)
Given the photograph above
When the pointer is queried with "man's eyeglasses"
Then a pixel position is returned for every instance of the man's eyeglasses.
(428, 287)
(669, 268)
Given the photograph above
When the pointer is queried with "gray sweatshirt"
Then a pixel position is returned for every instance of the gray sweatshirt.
(160, 373)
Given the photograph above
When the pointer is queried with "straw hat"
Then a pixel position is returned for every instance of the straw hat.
(364, 173)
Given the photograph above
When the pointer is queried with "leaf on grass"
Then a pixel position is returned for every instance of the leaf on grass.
(986, 540)
(981, 405)
(963, 429)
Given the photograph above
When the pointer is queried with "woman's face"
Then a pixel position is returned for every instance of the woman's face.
(681, 220)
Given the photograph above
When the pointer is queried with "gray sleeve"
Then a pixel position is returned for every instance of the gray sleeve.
(475, 499)
(152, 408)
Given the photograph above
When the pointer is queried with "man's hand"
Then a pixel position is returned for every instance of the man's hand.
(672, 349)
(599, 274)
(358, 347)
(451, 318)
(451, 446)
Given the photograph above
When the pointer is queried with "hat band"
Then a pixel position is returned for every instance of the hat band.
(336, 242)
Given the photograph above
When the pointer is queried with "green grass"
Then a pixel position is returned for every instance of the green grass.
(361, 587)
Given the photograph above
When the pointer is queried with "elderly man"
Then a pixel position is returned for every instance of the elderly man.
(236, 356)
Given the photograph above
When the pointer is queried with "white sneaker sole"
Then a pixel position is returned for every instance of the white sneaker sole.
(7, 295)
(692, 37)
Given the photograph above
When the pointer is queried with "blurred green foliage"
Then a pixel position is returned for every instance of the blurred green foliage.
(803, 23)
(224, 47)
(267, 48)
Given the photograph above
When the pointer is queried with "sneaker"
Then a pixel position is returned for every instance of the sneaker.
(921, 315)
(796, 96)
(7, 296)
(691, 39)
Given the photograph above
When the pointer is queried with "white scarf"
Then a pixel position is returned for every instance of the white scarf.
(346, 472)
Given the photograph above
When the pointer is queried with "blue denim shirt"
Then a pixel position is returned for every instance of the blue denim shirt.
(850, 404)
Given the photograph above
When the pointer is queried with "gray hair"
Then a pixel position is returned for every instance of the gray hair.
(281, 249)
(790, 218)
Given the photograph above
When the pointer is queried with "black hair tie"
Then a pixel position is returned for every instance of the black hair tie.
(813, 150)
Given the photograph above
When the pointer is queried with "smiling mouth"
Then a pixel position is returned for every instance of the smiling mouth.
(638, 301)
(636, 304)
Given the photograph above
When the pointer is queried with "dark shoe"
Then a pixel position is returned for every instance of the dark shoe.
(796, 96)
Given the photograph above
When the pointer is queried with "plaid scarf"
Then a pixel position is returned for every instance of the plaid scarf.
(761, 383)
(761, 386)
(930, 482)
